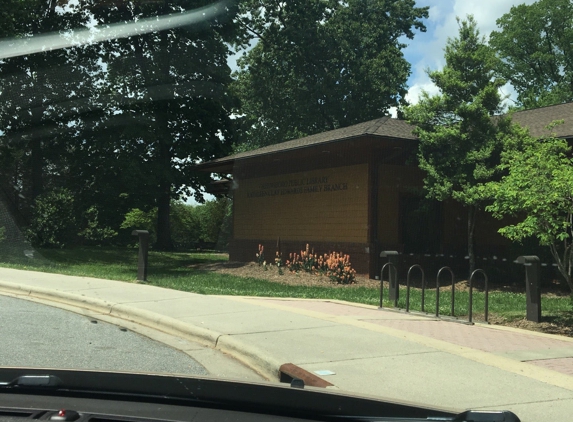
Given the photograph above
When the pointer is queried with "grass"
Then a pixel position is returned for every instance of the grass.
(174, 270)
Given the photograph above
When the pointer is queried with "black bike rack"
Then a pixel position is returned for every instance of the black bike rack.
(392, 267)
(388, 264)
(438, 290)
(408, 286)
(470, 308)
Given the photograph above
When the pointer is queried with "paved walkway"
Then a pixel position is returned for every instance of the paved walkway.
(369, 351)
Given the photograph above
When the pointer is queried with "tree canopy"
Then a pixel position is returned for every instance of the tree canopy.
(537, 191)
(534, 42)
(318, 65)
(459, 142)
(118, 123)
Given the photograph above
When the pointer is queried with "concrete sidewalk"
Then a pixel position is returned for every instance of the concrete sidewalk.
(375, 352)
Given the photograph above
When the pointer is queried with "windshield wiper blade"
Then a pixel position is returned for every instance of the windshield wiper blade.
(467, 416)
(31, 381)
(486, 416)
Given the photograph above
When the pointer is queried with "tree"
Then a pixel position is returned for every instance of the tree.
(168, 105)
(534, 43)
(537, 190)
(38, 93)
(459, 141)
(319, 65)
(214, 219)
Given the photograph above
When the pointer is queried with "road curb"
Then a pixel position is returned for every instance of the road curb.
(251, 356)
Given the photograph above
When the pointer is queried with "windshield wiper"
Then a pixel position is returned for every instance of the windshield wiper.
(467, 416)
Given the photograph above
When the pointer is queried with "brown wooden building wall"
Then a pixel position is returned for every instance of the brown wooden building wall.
(349, 199)
(327, 208)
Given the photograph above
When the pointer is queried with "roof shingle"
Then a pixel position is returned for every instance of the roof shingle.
(538, 119)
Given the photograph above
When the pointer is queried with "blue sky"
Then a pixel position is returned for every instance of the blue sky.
(426, 49)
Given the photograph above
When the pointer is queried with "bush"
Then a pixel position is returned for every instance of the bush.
(92, 231)
(215, 219)
(53, 222)
(185, 225)
(137, 219)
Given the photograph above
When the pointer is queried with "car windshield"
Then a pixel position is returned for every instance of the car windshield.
(372, 196)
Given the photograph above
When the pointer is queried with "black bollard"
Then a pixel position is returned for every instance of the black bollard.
(532, 286)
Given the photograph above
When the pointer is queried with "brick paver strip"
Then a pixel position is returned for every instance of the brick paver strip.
(472, 336)
(477, 337)
(563, 365)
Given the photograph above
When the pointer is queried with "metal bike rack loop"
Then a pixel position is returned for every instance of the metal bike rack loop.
(388, 264)
(408, 286)
(470, 307)
(453, 288)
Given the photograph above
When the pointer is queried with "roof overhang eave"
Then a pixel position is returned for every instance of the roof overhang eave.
(223, 166)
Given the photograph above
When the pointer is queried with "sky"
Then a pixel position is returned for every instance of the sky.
(426, 50)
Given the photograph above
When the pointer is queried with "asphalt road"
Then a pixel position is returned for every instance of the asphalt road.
(36, 335)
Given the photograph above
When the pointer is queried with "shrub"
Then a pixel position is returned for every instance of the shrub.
(93, 231)
(215, 222)
(53, 222)
(137, 219)
(185, 225)
(2, 233)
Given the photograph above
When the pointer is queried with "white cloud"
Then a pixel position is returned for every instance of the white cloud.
(416, 90)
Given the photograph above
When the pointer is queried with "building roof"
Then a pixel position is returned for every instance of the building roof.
(384, 126)
(536, 120)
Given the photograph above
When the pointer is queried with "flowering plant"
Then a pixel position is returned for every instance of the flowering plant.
(335, 265)
(279, 262)
(261, 255)
(339, 268)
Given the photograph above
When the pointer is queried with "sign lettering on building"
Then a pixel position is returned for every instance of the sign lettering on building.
(297, 186)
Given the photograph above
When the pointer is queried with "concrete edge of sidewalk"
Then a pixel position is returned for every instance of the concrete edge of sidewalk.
(251, 356)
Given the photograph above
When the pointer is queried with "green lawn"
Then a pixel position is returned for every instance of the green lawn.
(172, 270)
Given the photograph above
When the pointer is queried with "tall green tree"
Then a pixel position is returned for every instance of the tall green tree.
(537, 192)
(37, 96)
(459, 142)
(321, 64)
(118, 123)
(534, 42)
(167, 103)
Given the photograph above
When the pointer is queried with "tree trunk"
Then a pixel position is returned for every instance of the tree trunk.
(471, 228)
(163, 223)
(164, 199)
(36, 167)
(565, 263)
(164, 136)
